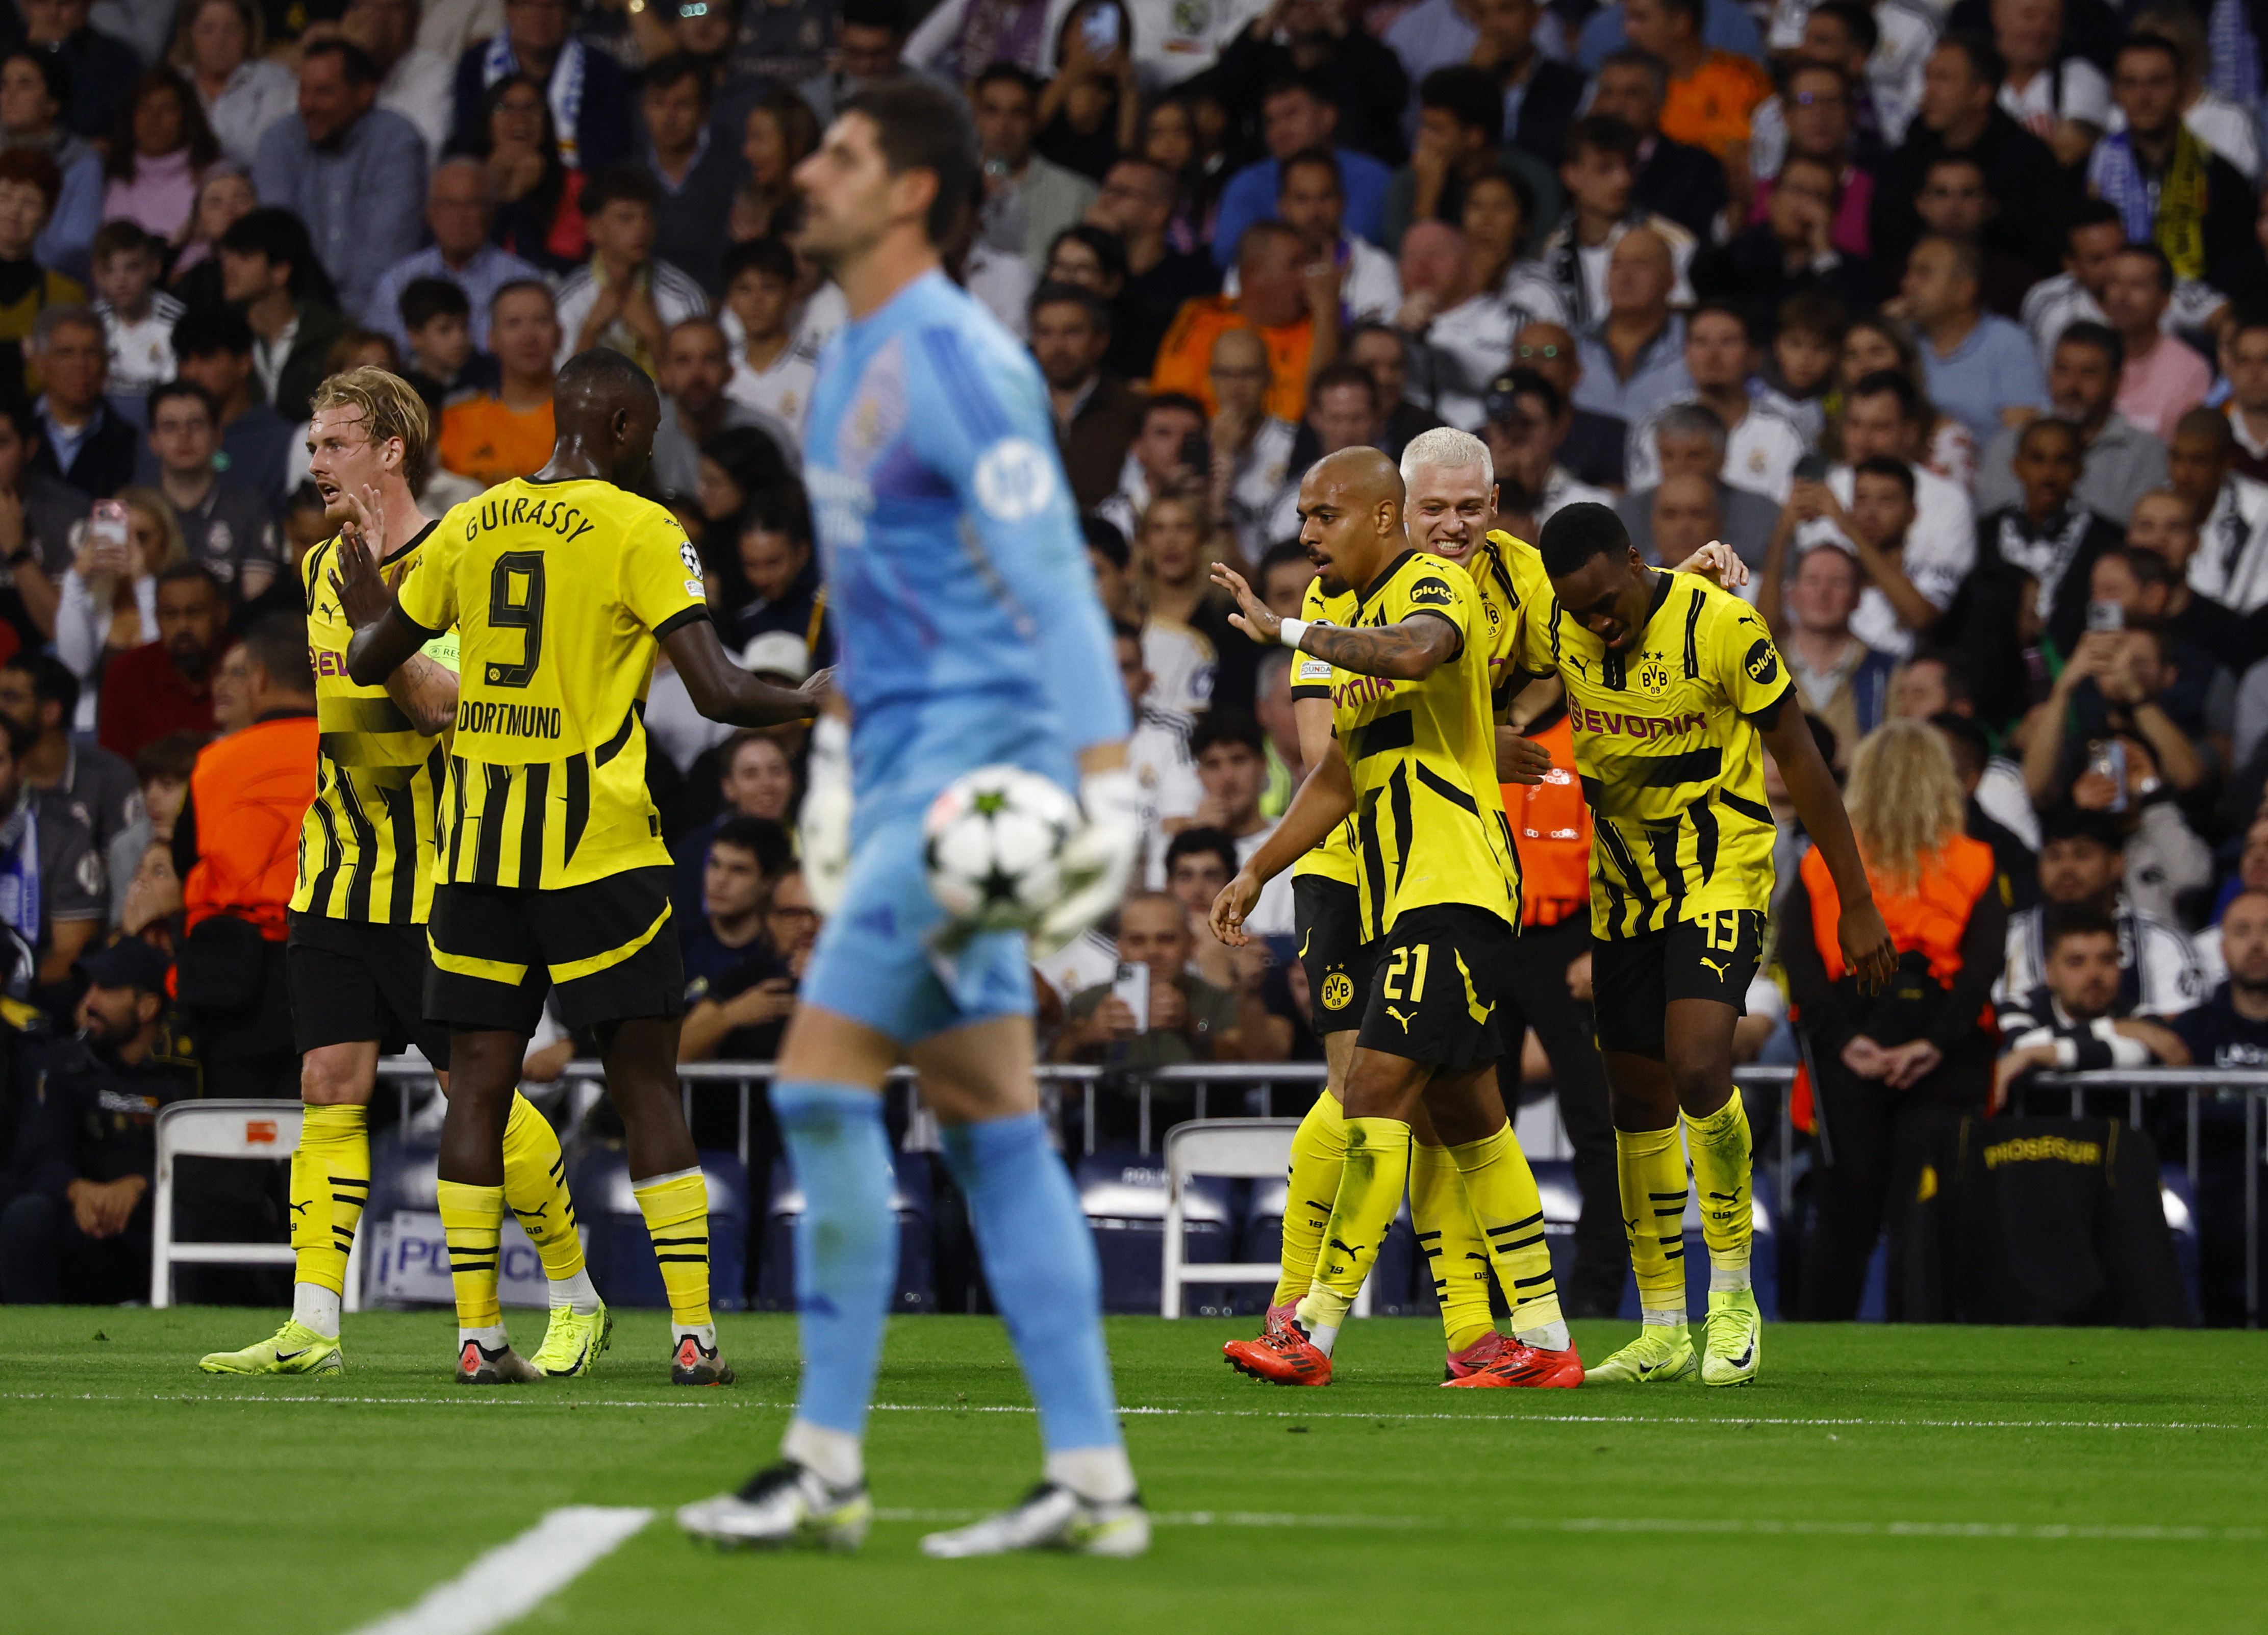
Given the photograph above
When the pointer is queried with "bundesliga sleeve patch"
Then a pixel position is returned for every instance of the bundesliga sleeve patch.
(1432, 593)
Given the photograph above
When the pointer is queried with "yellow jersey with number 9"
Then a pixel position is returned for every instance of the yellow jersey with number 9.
(558, 592)
(1667, 746)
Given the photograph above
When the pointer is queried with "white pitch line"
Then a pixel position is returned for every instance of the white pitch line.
(2053, 1530)
(718, 1401)
(510, 1580)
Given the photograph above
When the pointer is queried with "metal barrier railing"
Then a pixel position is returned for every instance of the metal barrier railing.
(1055, 1079)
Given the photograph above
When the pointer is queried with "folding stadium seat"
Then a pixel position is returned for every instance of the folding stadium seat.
(913, 1200)
(621, 1253)
(1123, 1197)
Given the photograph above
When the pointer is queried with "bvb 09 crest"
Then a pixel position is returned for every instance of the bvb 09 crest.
(1337, 991)
(1652, 675)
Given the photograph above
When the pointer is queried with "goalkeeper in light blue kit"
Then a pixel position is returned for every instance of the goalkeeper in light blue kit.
(968, 634)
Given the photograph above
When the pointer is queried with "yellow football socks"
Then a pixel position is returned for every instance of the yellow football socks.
(1318, 1155)
(676, 1210)
(1451, 1238)
(1721, 1164)
(1369, 1197)
(535, 1190)
(330, 1183)
(1651, 1166)
(1502, 1189)
(472, 1219)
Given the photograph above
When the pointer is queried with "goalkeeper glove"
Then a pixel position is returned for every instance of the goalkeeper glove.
(1095, 862)
(824, 826)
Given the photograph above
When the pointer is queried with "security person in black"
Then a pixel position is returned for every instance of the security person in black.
(2230, 1030)
(77, 1221)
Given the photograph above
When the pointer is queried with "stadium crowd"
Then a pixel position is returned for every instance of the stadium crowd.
(1952, 322)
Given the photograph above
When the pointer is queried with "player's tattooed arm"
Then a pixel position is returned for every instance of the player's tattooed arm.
(1409, 650)
(722, 691)
(425, 691)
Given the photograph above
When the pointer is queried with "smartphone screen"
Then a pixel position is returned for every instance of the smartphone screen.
(1131, 985)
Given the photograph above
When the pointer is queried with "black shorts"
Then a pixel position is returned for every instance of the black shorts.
(352, 981)
(1427, 982)
(1633, 979)
(608, 946)
(1327, 914)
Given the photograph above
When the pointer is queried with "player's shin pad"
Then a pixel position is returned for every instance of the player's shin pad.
(1651, 1167)
(330, 1183)
(536, 1189)
(1369, 1195)
(472, 1220)
(1451, 1237)
(676, 1211)
(1722, 1164)
(1318, 1155)
(1502, 1189)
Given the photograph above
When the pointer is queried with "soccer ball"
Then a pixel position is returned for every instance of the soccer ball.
(992, 842)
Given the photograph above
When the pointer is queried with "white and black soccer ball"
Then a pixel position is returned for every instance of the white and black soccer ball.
(992, 842)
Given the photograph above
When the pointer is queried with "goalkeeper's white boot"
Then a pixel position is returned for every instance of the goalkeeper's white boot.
(1051, 1517)
(783, 1505)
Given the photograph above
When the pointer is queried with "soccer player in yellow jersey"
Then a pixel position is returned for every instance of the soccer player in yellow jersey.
(356, 957)
(1415, 769)
(551, 869)
(1674, 685)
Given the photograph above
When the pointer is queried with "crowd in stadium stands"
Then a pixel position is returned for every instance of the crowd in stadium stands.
(1951, 320)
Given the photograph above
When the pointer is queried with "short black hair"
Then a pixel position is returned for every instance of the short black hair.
(120, 235)
(921, 125)
(207, 330)
(1726, 309)
(1318, 158)
(890, 14)
(1105, 537)
(1226, 726)
(1006, 74)
(1110, 249)
(2158, 259)
(674, 69)
(2069, 822)
(778, 507)
(1890, 380)
(606, 369)
(1969, 747)
(619, 184)
(165, 393)
(277, 642)
(1576, 533)
(52, 69)
(51, 682)
(1060, 294)
(762, 839)
(2086, 333)
(425, 299)
(1276, 555)
(2150, 42)
(1814, 312)
(173, 755)
(2093, 213)
(1180, 401)
(1986, 65)
(1858, 21)
(1887, 465)
(2064, 920)
(768, 255)
(1471, 96)
(1958, 687)
(279, 236)
(1602, 133)
(1343, 373)
(1697, 10)
(1189, 842)
(354, 63)
(2048, 423)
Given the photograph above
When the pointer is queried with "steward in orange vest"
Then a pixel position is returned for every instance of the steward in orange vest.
(236, 847)
(1950, 929)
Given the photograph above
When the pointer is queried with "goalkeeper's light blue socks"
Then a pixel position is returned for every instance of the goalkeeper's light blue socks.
(846, 1260)
(1039, 1259)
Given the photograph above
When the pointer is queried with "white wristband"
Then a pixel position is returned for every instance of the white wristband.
(1291, 631)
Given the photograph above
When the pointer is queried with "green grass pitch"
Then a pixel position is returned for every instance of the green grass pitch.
(1878, 1478)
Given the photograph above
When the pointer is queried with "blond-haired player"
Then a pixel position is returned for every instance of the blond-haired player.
(357, 955)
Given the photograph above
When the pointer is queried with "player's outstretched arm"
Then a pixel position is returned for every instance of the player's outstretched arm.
(1409, 650)
(722, 691)
(1866, 948)
(1325, 799)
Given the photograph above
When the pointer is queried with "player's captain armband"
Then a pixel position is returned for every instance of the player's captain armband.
(442, 650)
(1431, 593)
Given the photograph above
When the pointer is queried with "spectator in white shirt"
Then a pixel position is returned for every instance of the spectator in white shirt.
(1158, 755)
(1460, 334)
(139, 316)
(2061, 98)
(1761, 447)
(1251, 447)
(1166, 452)
(2094, 235)
(1527, 421)
(1311, 201)
(771, 373)
(220, 47)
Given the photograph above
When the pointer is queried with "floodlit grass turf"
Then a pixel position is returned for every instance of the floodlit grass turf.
(136, 1495)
